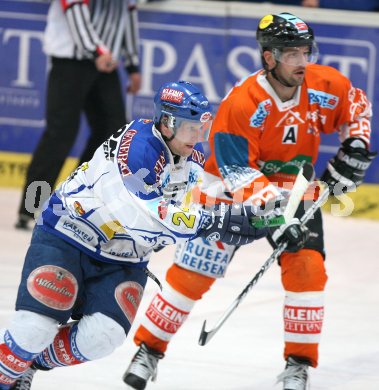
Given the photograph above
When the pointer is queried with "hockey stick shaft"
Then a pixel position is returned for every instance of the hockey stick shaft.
(299, 188)
(205, 336)
(304, 177)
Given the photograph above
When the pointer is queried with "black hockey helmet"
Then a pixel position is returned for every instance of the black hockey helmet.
(283, 30)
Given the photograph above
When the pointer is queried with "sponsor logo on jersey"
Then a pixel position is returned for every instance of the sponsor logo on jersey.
(165, 316)
(291, 167)
(236, 177)
(290, 118)
(261, 113)
(323, 99)
(315, 119)
(205, 257)
(159, 165)
(315, 116)
(125, 254)
(172, 95)
(198, 157)
(306, 320)
(123, 152)
(128, 296)
(53, 286)
(78, 208)
(78, 233)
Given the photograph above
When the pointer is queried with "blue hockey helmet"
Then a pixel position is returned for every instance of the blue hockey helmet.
(181, 101)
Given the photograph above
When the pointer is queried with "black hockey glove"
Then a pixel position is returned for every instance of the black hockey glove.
(231, 225)
(294, 233)
(347, 169)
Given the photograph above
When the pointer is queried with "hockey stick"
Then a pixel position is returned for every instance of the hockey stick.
(205, 336)
(303, 179)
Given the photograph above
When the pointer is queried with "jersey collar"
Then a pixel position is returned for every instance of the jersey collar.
(282, 106)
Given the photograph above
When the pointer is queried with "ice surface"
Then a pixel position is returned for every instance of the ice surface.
(246, 354)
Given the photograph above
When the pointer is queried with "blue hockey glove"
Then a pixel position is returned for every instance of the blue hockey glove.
(231, 225)
(347, 169)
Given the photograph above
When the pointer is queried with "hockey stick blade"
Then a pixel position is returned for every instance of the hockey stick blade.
(204, 335)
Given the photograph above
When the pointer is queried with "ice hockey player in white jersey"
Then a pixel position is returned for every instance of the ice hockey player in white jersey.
(85, 270)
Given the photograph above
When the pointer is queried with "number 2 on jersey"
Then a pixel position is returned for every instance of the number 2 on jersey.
(179, 217)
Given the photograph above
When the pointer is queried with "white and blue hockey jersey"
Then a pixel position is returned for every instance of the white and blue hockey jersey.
(130, 198)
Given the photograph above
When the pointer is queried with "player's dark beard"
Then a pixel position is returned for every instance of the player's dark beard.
(282, 80)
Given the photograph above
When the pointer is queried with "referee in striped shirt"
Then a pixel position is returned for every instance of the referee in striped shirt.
(85, 40)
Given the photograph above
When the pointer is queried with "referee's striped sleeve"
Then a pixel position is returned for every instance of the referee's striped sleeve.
(131, 39)
(83, 32)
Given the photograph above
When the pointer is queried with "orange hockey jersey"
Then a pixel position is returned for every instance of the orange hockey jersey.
(259, 142)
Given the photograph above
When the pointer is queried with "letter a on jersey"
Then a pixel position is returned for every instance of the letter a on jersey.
(290, 134)
(290, 122)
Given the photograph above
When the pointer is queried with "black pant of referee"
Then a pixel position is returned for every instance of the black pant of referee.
(74, 87)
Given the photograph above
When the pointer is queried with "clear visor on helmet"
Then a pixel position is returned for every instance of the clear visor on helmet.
(191, 131)
(297, 56)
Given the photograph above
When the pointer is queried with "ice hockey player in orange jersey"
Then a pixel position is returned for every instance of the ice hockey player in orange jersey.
(266, 127)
